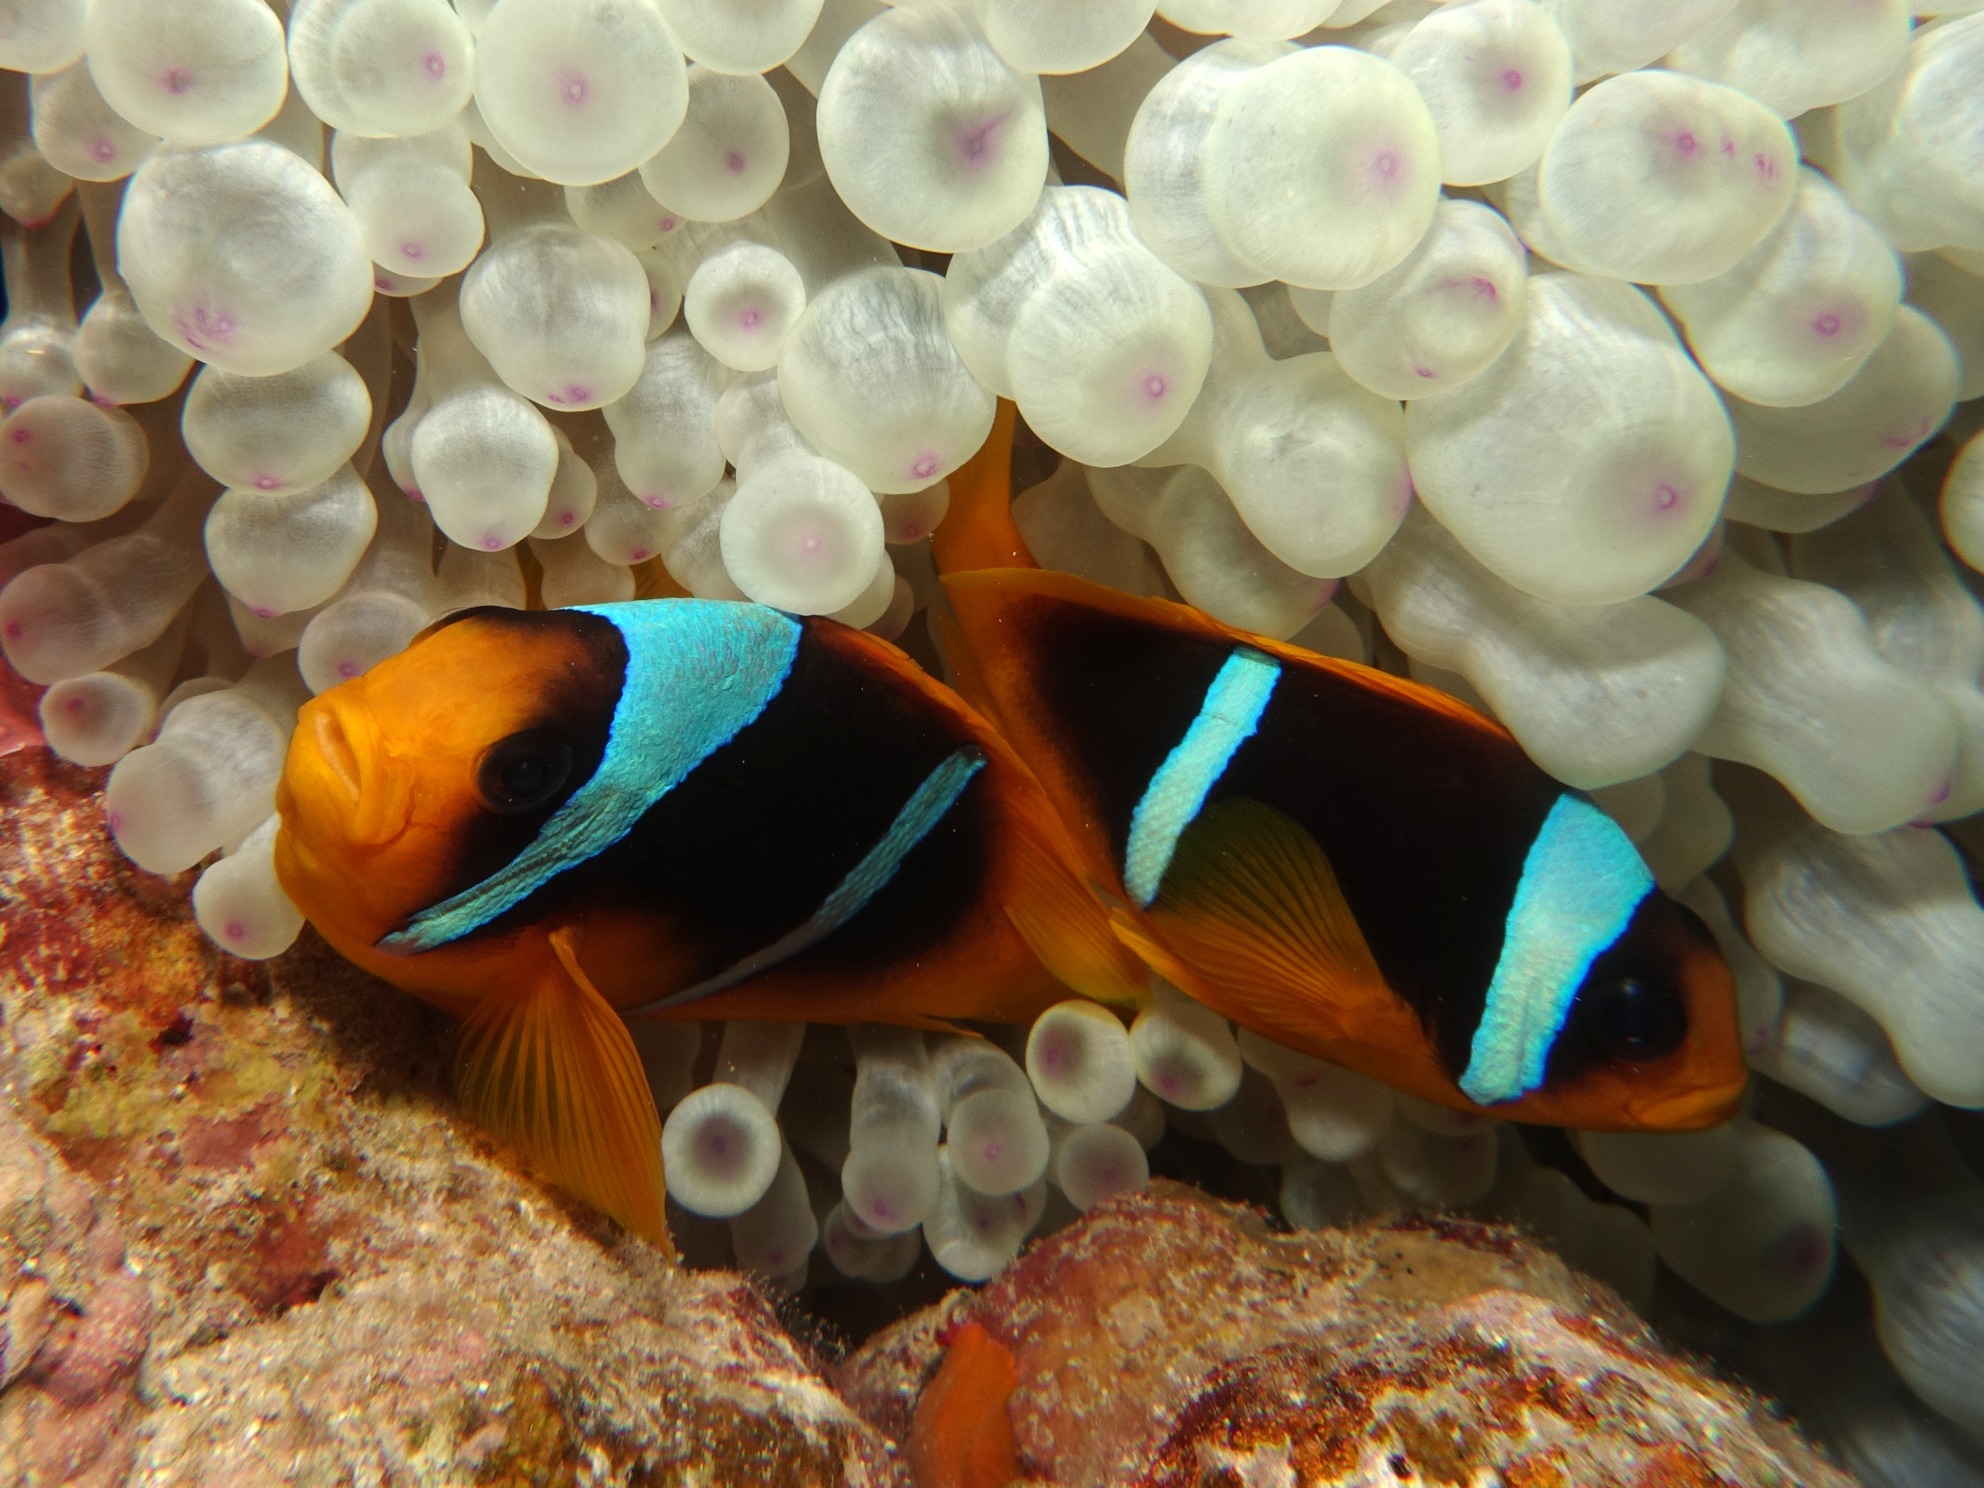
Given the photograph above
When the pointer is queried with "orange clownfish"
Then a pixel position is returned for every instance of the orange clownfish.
(1349, 863)
(544, 822)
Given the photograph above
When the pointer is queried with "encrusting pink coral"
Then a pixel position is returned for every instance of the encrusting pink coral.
(328, 1273)
(74, 1320)
(1172, 1341)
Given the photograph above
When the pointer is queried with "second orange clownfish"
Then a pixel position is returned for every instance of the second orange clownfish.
(1347, 862)
(546, 822)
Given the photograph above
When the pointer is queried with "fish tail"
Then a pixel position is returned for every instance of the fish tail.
(962, 1435)
(978, 531)
(1062, 919)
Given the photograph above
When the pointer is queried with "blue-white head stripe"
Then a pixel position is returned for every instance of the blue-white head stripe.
(1177, 791)
(926, 806)
(698, 671)
(1581, 883)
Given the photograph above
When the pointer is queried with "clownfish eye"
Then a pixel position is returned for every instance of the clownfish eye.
(523, 771)
(1633, 1021)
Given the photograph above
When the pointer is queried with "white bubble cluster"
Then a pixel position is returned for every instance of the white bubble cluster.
(1609, 364)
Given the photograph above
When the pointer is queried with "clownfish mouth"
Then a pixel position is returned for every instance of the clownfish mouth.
(1691, 1109)
(335, 751)
(336, 782)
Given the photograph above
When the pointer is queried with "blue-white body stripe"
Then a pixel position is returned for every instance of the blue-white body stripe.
(1581, 882)
(1177, 791)
(927, 805)
(698, 672)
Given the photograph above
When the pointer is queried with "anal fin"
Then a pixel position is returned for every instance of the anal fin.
(551, 1069)
(1253, 908)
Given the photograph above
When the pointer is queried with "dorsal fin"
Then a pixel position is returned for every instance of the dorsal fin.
(978, 531)
(983, 602)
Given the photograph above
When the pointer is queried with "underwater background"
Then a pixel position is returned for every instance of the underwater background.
(1611, 367)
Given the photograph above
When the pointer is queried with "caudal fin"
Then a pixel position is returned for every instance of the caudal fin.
(961, 1435)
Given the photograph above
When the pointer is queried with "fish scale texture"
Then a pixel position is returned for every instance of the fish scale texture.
(245, 1239)
(1173, 1341)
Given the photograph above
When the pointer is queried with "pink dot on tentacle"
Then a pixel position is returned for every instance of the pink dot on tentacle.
(1803, 1248)
(1907, 441)
(1512, 79)
(1827, 325)
(750, 320)
(436, 65)
(735, 162)
(1384, 164)
(347, 669)
(574, 89)
(21, 436)
(235, 930)
(640, 555)
(1665, 497)
(262, 612)
(102, 151)
(926, 466)
(1685, 144)
(267, 482)
(176, 80)
(411, 249)
(493, 542)
(1156, 386)
(976, 145)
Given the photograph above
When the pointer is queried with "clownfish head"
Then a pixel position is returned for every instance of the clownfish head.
(1650, 1041)
(413, 783)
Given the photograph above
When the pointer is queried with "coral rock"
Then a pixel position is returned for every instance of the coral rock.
(244, 1237)
(1172, 1341)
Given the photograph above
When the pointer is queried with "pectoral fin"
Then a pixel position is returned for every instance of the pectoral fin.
(551, 1069)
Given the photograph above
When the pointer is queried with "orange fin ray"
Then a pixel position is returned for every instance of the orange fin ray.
(961, 1435)
(1065, 925)
(551, 1069)
(978, 531)
(1249, 901)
